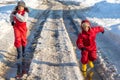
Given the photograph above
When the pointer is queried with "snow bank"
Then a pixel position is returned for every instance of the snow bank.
(6, 38)
(4, 1)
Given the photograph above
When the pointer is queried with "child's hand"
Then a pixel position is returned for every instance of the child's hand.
(82, 49)
(103, 32)
(12, 23)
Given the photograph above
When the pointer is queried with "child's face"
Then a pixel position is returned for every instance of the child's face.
(85, 26)
(21, 8)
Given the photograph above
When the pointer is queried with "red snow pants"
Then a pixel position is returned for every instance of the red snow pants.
(88, 55)
(20, 33)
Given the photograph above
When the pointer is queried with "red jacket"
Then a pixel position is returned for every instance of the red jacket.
(20, 30)
(18, 24)
(87, 39)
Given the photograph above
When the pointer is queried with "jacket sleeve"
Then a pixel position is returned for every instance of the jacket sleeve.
(99, 29)
(79, 42)
(22, 18)
(11, 17)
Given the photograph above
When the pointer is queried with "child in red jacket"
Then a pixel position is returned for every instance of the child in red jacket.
(87, 44)
(18, 19)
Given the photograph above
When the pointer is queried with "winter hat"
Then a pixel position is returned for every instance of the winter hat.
(21, 3)
(85, 21)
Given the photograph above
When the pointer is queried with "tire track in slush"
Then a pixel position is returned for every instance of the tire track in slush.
(34, 36)
(56, 59)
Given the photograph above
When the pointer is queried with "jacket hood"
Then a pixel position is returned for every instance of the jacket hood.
(85, 21)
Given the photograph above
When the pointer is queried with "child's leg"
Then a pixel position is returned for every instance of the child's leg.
(24, 39)
(17, 35)
(19, 62)
(24, 43)
(84, 60)
(92, 56)
(91, 64)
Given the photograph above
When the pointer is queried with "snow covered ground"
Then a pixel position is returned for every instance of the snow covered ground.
(99, 12)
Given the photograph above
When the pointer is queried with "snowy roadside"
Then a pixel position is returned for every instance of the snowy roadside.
(7, 52)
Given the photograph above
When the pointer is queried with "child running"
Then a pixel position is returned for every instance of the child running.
(87, 44)
(18, 19)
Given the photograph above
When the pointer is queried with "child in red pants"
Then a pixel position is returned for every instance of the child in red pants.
(18, 19)
(87, 44)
